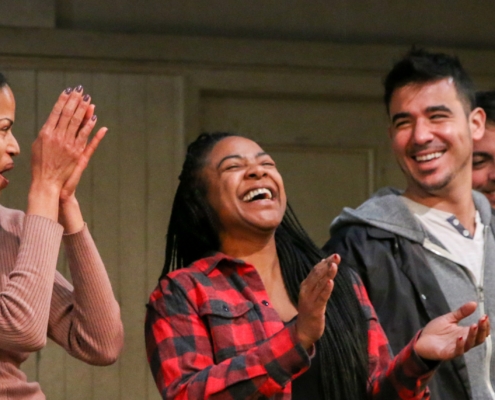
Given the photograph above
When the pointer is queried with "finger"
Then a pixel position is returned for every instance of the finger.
(56, 112)
(315, 275)
(85, 130)
(335, 258)
(89, 114)
(324, 294)
(94, 143)
(332, 271)
(470, 340)
(483, 330)
(463, 311)
(459, 347)
(69, 109)
(77, 120)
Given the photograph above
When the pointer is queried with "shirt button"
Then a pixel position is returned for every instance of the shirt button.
(455, 222)
(225, 308)
(265, 303)
(465, 232)
(423, 296)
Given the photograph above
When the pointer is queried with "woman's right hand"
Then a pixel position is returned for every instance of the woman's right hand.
(61, 140)
(57, 149)
(314, 294)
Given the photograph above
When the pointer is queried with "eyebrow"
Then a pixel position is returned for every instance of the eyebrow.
(438, 108)
(260, 154)
(400, 115)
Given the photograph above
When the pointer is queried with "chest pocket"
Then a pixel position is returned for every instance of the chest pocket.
(234, 329)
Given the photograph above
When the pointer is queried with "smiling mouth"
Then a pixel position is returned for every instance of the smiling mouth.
(258, 194)
(428, 157)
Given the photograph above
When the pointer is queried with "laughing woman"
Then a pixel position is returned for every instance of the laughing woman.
(241, 313)
(35, 300)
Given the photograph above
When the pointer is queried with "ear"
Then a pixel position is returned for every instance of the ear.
(477, 120)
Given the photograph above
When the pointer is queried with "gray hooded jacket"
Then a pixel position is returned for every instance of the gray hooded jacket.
(411, 278)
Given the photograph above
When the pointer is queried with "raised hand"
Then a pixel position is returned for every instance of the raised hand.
(69, 188)
(61, 140)
(57, 150)
(443, 339)
(314, 293)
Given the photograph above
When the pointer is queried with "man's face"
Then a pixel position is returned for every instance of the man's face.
(484, 163)
(431, 134)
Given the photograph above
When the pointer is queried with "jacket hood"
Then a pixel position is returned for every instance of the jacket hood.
(385, 210)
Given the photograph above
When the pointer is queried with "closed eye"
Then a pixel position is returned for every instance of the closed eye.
(479, 160)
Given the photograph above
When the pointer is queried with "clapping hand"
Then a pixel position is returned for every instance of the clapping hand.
(314, 294)
(443, 339)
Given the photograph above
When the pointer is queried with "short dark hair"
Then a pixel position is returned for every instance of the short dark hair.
(420, 66)
(486, 100)
(3, 80)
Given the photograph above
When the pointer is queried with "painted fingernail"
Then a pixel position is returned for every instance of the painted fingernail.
(86, 97)
(459, 338)
(79, 89)
(484, 318)
(93, 118)
(68, 90)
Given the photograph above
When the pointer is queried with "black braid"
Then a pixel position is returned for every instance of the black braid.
(192, 233)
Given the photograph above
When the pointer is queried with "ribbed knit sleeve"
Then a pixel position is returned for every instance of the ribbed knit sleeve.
(85, 319)
(27, 289)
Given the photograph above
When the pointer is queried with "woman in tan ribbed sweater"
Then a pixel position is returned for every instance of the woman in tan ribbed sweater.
(35, 300)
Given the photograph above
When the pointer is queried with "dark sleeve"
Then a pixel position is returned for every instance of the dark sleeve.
(376, 256)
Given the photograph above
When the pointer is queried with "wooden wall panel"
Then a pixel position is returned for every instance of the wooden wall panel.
(125, 195)
(106, 209)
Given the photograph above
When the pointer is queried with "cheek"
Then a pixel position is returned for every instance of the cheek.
(479, 177)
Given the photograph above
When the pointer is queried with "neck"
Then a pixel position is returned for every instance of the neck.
(261, 252)
(455, 200)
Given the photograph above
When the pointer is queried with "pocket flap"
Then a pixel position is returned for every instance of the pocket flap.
(221, 308)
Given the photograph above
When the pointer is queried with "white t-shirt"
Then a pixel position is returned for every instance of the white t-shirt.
(465, 249)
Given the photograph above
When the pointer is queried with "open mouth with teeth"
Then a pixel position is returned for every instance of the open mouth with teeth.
(258, 194)
(428, 157)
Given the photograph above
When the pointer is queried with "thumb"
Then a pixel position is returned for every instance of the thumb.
(464, 311)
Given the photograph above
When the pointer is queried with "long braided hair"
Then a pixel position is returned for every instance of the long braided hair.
(192, 233)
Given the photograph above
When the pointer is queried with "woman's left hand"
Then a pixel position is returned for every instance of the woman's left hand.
(69, 188)
(443, 339)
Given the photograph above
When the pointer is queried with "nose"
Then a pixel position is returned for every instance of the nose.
(421, 133)
(491, 172)
(12, 146)
(255, 171)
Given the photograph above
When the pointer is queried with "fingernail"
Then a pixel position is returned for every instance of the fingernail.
(93, 118)
(485, 318)
(86, 97)
(79, 89)
(68, 90)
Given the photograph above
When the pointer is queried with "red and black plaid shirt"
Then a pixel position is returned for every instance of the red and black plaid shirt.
(211, 332)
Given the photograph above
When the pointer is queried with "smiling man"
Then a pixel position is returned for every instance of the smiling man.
(424, 251)
(484, 149)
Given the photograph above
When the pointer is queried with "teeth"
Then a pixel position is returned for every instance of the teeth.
(255, 192)
(429, 157)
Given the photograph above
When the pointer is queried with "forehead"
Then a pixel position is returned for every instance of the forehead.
(7, 103)
(419, 96)
(487, 142)
(233, 146)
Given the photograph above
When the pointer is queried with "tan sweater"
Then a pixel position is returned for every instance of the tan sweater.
(36, 301)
